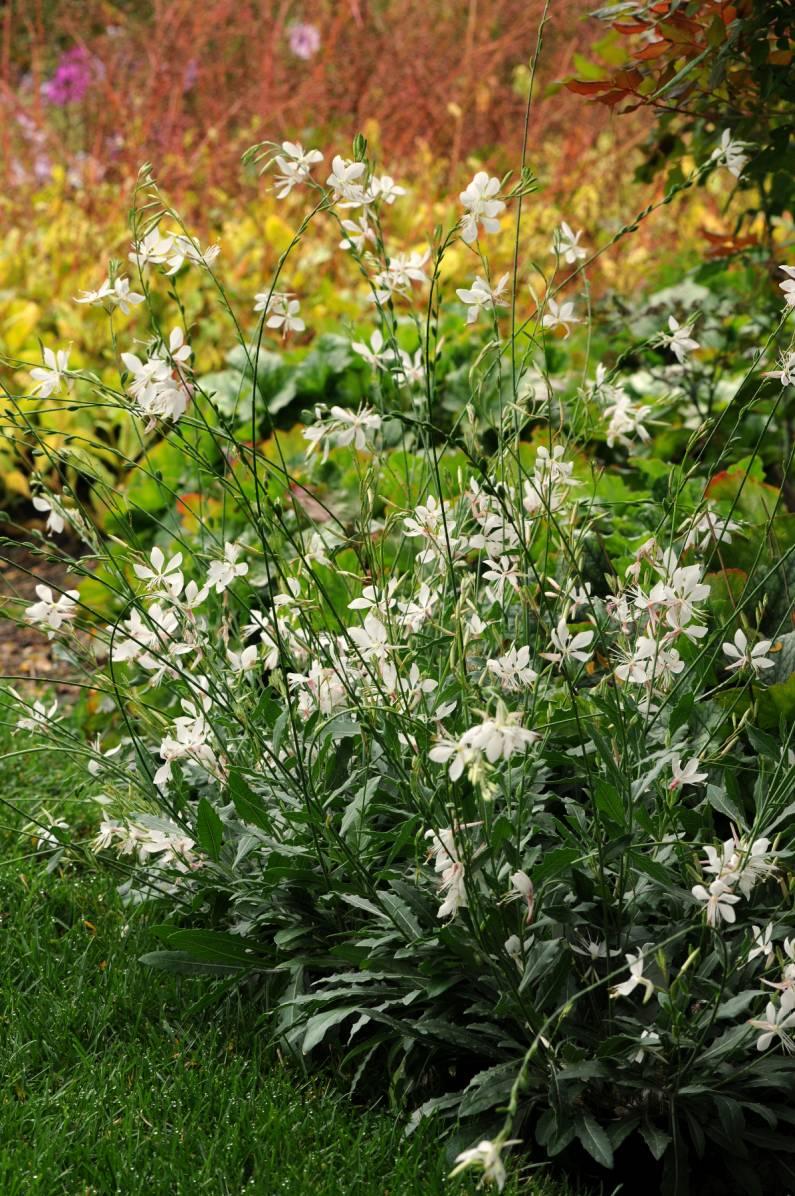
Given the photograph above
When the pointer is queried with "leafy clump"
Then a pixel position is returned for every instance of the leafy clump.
(460, 715)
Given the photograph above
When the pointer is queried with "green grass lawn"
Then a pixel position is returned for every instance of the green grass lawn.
(113, 1083)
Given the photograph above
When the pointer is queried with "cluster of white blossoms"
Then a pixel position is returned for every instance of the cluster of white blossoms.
(737, 865)
(161, 386)
(165, 847)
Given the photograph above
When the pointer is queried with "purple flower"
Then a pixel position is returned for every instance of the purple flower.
(304, 40)
(72, 78)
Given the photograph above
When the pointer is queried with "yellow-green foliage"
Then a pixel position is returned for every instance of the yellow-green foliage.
(63, 245)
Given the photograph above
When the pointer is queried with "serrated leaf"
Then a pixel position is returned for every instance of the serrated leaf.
(595, 1140)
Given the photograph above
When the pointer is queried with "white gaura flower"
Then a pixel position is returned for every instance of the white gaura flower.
(501, 573)
(786, 371)
(50, 613)
(486, 1156)
(566, 243)
(370, 640)
(161, 576)
(55, 516)
(376, 354)
(739, 863)
(187, 249)
(708, 529)
(788, 286)
(776, 1023)
(51, 376)
(347, 182)
(626, 421)
(481, 296)
(112, 295)
(448, 863)
(402, 270)
(559, 315)
(283, 313)
(687, 774)
(481, 207)
(512, 670)
(648, 1039)
(719, 902)
(222, 573)
(244, 660)
(754, 659)
(357, 234)
(386, 189)
(409, 370)
(344, 427)
(678, 340)
(37, 716)
(569, 647)
(295, 164)
(457, 754)
(500, 737)
(763, 945)
(153, 249)
(636, 962)
(731, 153)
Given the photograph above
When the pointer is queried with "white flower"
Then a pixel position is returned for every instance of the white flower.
(559, 316)
(402, 270)
(786, 372)
(648, 1038)
(51, 613)
(153, 249)
(386, 189)
(740, 864)
(222, 573)
(37, 716)
(481, 296)
(709, 529)
(343, 428)
(112, 296)
(788, 286)
(486, 1155)
(687, 774)
(284, 313)
(719, 901)
(163, 577)
(636, 963)
(375, 354)
(762, 943)
(52, 375)
(512, 670)
(566, 243)
(448, 863)
(756, 659)
(678, 341)
(295, 164)
(55, 517)
(346, 181)
(244, 660)
(731, 153)
(776, 1023)
(481, 206)
(357, 234)
(187, 249)
(626, 420)
(568, 647)
(370, 640)
(456, 753)
(500, 737)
